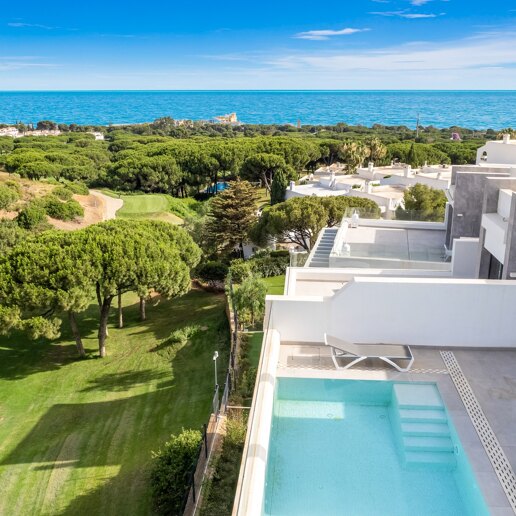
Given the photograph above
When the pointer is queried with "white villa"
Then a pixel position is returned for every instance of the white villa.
(443, 291)
(384, 185)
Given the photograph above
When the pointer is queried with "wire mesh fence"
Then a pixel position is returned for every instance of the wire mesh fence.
(219, 406)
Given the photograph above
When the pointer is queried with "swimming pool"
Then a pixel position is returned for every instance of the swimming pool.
(365, 448)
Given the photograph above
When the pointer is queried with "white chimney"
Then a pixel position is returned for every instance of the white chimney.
(346, 250)
(354, 219)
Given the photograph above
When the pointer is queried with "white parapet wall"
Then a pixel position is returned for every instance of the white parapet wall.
(440, 312)
(249, 498)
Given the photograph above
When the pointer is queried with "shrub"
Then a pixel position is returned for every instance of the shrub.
(77, 188)
(240, 270)
(14, 185)
(31, 216)
(62, 210)
(220, 490)
(63, 193)
(212, 272)
(8, 196)
(171, 471)
(249, 300)
(268, 266)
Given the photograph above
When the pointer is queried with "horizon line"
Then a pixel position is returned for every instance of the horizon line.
(255, 90)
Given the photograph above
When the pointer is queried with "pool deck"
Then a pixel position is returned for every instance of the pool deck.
(490, 373)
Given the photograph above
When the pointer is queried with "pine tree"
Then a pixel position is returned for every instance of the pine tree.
(232, 213)
(279, 187)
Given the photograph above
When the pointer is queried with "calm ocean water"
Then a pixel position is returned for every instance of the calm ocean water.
(473, 109)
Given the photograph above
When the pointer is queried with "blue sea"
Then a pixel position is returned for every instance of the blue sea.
(472, 109)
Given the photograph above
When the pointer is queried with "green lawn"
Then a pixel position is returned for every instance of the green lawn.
(76, 436)
(275, 285)
(255, 348)
(148, 206)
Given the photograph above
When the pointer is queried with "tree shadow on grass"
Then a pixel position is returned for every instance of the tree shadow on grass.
(120, 433)
(21, 357)
(120, 382)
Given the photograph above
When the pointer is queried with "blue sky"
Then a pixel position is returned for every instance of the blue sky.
(336, 44)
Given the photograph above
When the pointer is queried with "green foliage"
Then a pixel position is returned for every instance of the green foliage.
(422, 202)
(249, 300)
(341, 206)
(77, 188)
(279, 187)
(63, 193)
(240, 270)
(232, 213)
(353, 154)
(6, 144)
(220, 490)
(8, 196)
(264, 265)
(300, 219)
(137, 396)
(10, 235)
(212, 272)
(415, 154)
(32, 216)
(60, 210)
(171, 471)
(57, 271)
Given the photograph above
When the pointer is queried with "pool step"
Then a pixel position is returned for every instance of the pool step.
(410, 415)
(425, 429)
(417, 396)
(427, 444)
(421, 424)
(443, 461)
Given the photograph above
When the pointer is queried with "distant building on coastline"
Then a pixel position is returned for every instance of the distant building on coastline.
(230, 119)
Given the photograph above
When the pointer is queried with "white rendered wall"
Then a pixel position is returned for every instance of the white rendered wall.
(496, 229)
(250, 490)
(420, 312)
(465, 258)
(498, 153)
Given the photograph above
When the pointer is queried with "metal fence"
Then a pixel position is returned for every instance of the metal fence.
(219, 406)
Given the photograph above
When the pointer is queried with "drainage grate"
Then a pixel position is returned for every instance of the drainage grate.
(488, 438)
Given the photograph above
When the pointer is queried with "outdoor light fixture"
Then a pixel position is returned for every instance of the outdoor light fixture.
(215, 356)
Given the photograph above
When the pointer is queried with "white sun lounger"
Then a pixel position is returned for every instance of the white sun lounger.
(390, 353)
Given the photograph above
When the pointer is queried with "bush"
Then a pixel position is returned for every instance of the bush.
(63, 193)
(62, 210)
(171, 471)
(8, 196)
(249, 300)
(212, 272)
(77, 188)
(31, 216)
(263, 264)
(220, 490)
(269, 266)
(240, 270)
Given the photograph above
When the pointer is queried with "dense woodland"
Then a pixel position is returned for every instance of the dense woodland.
(183, 161)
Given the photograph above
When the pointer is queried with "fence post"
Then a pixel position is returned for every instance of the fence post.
(193, 485)
(205, 441)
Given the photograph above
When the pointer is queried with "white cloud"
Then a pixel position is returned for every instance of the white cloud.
(326, 34)
(407, 14)
(22, 25)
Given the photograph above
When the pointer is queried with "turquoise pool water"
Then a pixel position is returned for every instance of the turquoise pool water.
(365, 448)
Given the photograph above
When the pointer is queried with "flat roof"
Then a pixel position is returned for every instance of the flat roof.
(396, 243)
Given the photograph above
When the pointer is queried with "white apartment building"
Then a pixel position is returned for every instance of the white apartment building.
(446, 290)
